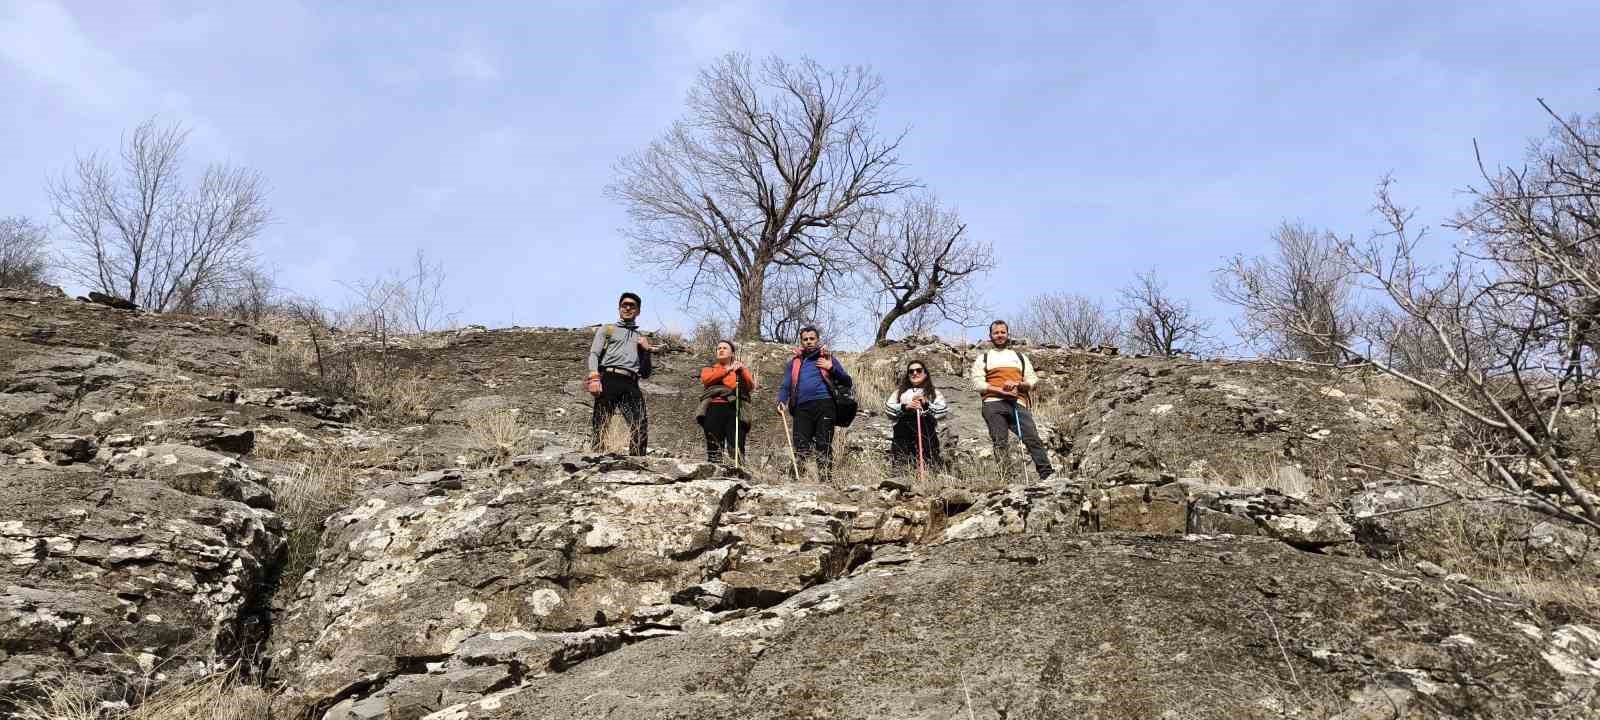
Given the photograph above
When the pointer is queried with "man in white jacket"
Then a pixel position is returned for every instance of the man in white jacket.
(1005, 378)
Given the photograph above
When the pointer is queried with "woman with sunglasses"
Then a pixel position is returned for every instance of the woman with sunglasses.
(916, 402)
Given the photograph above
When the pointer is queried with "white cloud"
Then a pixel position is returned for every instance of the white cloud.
(704, 30)
(473, 64)
(45, 41)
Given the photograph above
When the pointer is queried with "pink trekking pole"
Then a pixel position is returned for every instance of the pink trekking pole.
(922, 467)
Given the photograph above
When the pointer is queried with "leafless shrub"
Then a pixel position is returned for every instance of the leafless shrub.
(1159, 324)
(249, 296)
(313, 355)
(708, 331)
(23, 252)
(1306, 277)
(919, 261)
(1512, 316)
(134, 230)
(1067, 319)
(753, 178)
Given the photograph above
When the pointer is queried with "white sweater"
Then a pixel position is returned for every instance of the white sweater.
(897, 403)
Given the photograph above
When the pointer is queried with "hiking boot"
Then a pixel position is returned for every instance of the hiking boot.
(1046, 474)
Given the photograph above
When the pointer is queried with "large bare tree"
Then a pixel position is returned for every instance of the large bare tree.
(1305, 277)
(135, 231)
(767, 162)
(23, 258)
(1509, 321)
(794, 298)
(1158, 323)
(1067, 319)
(919, 257)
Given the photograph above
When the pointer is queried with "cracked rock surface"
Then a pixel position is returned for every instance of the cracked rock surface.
(1107, 626)
(113, 574)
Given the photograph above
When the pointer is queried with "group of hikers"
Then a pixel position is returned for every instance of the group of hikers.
(814, 397)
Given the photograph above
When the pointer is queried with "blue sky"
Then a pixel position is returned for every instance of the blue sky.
(1086, 142)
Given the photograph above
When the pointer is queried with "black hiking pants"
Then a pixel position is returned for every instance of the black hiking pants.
(719, 424)
(813, 435)
(903, 453)
(1004, 416)
(621, 393)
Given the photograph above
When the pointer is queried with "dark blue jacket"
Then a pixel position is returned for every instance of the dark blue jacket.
(811, 385)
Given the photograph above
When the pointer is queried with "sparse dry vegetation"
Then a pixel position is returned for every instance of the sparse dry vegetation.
(1488, 542)
(497, 435)
(69, 696)
(325, 481)
(1273, 472)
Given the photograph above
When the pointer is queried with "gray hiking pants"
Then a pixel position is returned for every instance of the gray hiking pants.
(1004, 416)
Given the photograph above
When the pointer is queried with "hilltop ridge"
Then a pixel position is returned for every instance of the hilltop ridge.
(181, 494)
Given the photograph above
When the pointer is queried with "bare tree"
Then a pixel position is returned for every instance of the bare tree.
(752, 179)
(1159, 324)
(399, 302)
(135, 231)
(1512, 317)
(23, 259)
(250, 295)
(793, 300)
(1067, 319)
(422, 305)
(1306, 277)
(919, 256)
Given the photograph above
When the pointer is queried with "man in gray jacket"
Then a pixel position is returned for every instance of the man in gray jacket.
(618, 359)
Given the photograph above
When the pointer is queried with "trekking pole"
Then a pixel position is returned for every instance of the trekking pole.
(788, 434)
(737, 460)
(922, 467)
(1016, 416)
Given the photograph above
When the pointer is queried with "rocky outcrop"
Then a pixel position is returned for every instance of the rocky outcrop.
(127, 576)
(552, 546)
(1198, 554)
(1106, 626)
(1178, 507)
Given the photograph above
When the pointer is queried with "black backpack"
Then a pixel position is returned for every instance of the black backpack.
(844, 399)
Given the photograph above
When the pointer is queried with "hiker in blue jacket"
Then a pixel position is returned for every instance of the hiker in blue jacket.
(806, 396)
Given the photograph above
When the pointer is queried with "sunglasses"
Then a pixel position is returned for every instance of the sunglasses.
(630, 305)
(917, 371)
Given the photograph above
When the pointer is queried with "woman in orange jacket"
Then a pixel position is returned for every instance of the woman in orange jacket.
(724, 404)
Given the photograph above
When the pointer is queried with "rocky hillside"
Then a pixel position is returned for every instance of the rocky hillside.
(418, 530)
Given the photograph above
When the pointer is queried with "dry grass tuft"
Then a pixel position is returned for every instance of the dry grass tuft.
(215, 697)
(1064, 395)
(324, 483)
(393, 394)
(1268, 470)
(1486, 544)
(498, 435)
(874, 383)
(165, 399)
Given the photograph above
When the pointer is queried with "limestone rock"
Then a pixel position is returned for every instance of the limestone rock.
(571, 554)
(196, 471)
(1120, 626)
(92, 566)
